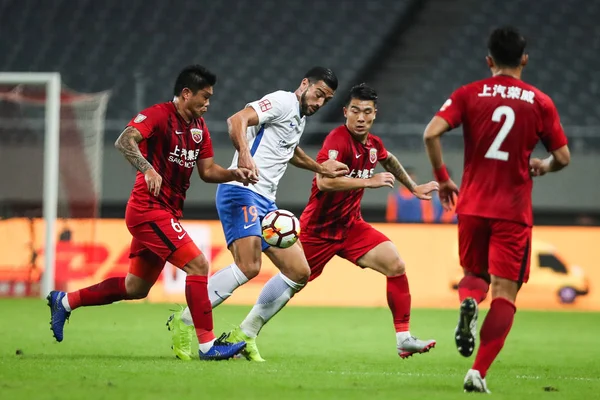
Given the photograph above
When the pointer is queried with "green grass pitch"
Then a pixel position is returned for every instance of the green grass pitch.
(122, 351)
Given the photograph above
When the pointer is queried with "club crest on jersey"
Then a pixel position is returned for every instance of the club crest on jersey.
(333, 154)
(373, 156)
(139, 118)
(196, 134)
(447, 104)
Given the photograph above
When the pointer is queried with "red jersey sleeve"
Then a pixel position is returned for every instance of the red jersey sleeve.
(148, 121)
(206, 151)
(333, 148)
(553, 136)
(382, 152)
(453, 109)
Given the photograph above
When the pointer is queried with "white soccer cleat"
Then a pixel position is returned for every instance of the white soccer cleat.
(466, 329)
(412, 345)
(475, 383)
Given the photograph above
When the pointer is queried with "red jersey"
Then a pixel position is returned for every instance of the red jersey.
(329, 214)
(503, 119)
(172, 146)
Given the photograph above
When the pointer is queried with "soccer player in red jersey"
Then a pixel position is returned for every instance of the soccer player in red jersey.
(503, 119)
(164, 143)
(331, 223)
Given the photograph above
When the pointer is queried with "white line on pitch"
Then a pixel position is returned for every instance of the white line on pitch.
(419, 374)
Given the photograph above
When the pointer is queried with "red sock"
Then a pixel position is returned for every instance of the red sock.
(196, 295)
(398, 298)
(472, 286)
(105, 292)
(493, 333)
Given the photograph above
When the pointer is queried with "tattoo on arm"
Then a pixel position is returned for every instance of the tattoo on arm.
(127, 143)
(391, 164)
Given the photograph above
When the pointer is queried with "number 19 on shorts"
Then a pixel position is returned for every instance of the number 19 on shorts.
(250, 216)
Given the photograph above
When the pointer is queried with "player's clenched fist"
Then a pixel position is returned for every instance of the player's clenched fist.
(334, 169)
(245, 160)
(245, 176)
(537, 167)
(381, 179)
(423, 191)
(153, 180)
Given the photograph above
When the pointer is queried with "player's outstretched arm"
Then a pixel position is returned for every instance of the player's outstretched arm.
(422, 192)
(391, 164)
(330, 168)
(237, 125)
(343, 184)
(212, 172)
(127, 144)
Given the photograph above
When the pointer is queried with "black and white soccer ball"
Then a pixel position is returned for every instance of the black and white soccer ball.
(280, 228)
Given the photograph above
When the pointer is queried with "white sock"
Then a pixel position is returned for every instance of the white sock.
(222, 284)
(65, 303)
(401, 337)
(273, 297)
(220, 287)
(204, 347)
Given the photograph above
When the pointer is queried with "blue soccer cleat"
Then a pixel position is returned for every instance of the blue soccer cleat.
(222, 349)
(58, 314)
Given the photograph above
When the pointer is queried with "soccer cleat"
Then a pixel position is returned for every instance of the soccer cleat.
(412, 345)
(222, 349)
(58, 314)
(466, 329)
(475, 383)
(251, 351)
(182, 336)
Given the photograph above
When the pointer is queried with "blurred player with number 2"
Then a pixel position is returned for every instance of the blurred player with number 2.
(503, 119)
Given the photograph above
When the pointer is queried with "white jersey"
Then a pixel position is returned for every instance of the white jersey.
(273, 141)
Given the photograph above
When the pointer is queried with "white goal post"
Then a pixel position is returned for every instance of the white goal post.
(44, 125)
(52, 83)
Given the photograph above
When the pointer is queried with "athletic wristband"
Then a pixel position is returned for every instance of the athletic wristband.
(441, 174)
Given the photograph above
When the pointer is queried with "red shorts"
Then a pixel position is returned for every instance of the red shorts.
(361, 239)
(157, 237)
(494, 246)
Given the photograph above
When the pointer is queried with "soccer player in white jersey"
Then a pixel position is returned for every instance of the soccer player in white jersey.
(265, 134)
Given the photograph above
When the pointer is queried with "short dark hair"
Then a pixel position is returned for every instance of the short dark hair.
(362, 92)
(326, 75)
(194, 77)
(506, 46)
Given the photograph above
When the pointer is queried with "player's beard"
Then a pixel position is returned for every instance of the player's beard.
(304, 108)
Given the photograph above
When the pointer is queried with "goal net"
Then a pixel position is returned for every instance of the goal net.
(51, 144)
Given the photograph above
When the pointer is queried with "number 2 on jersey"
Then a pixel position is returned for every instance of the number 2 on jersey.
(251, 211)
(494, 151)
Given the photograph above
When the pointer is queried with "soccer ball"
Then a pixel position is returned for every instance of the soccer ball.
(280, 228)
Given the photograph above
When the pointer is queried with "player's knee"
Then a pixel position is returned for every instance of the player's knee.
(396, 268)
(136, 289)
(300, 274)
(249, 268)
(198, 266)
